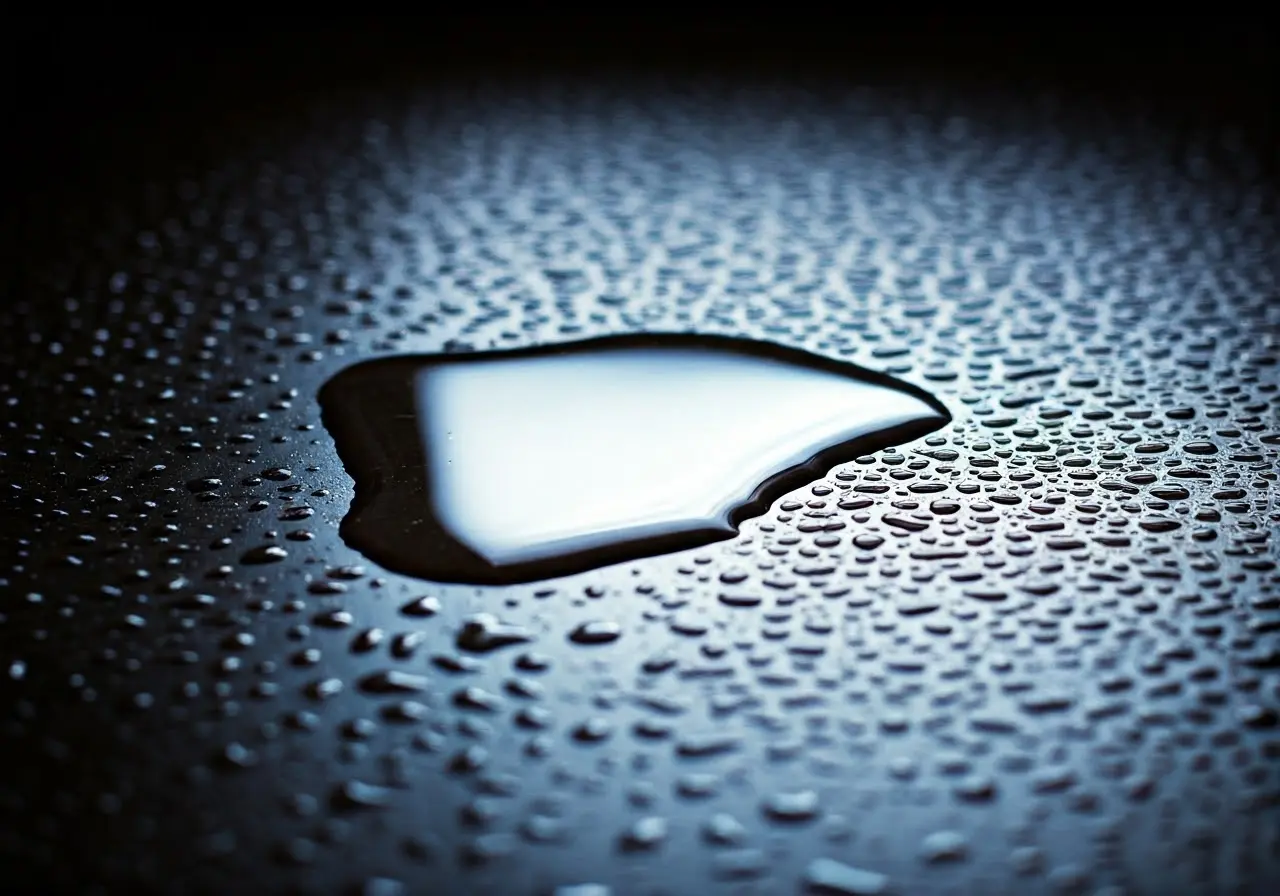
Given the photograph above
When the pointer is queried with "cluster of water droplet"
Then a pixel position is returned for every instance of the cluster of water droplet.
(1040, 643)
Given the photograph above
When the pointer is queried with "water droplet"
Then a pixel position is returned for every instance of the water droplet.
(691, 434)
(421, 606)
(269, 553)
(944, 846)
(394, 681)
(359, 795)
(792, 806)
(723, 829)
(596, 632)
(484, 632)
(827, 876)
(645, 834)
(592, 731)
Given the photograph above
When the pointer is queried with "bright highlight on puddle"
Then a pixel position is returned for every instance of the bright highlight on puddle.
(520, 465)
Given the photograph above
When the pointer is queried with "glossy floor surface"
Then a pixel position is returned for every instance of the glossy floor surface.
(1035, 651)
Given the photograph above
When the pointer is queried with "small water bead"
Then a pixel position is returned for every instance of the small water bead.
(595, 633)
(833, 878)
(944, 846)
(645, 834)
(484, 633)
(264, 554)
(792, 806)
(424, 606)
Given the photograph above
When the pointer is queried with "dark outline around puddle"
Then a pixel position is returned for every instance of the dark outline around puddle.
(390, 522)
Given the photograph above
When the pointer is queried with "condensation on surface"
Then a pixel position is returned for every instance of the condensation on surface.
(1035, 650)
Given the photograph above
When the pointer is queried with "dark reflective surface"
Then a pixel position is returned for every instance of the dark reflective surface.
(518, 465)
(1034, 651)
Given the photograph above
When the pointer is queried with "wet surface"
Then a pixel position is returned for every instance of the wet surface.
(515, 466)
(1037, 650)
